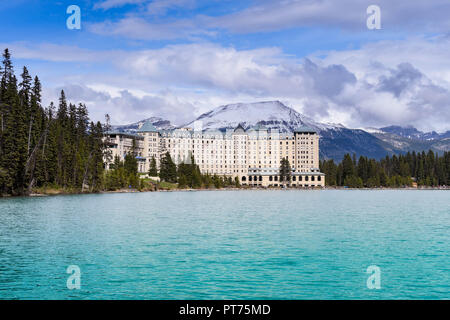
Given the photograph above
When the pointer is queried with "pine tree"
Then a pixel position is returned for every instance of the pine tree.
(168, 169)
(182, 182)
(15, 139)
(237, 184)
(285, 171)
(329, 168)
(153, 172)
(217, 182)
(348, 168)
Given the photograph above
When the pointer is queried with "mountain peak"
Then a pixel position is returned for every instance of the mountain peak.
(272, 114)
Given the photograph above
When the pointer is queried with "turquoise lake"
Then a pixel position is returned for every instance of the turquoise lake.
(227, 245)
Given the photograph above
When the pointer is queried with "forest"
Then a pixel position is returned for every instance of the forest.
(426, 169)
(45, 146)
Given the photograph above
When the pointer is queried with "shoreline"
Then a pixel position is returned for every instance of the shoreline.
(55, 192)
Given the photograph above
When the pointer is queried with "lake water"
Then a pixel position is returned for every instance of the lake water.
(227, 245)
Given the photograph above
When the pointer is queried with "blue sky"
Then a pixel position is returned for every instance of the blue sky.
(179, 58)
(46, 21)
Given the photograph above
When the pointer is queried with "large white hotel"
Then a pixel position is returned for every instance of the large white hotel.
(253, 155)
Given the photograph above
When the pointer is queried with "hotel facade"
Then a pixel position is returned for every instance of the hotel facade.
(253, 155)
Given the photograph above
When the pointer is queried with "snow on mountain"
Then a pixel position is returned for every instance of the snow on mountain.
(158, 122)
(272, 114)
(371, 130)
(412, 133)
(404, 139)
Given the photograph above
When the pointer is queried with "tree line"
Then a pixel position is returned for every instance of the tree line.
(425, 169)
(187, 174)
(56, 146)
(123, 174)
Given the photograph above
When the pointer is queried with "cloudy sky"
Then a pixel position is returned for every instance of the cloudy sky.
(177, 59)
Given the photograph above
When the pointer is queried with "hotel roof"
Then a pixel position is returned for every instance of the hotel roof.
(239, 129)
(147, 127)
(305, 129)
(211, 133)
(122, 133)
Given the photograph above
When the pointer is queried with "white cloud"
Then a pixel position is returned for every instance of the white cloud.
(109, 4)
(399, 82)
(160, 7)
(153, 7)
(125, 106)
(269, 15)
(139, 28)
(275, 15)
(56, 53)
(380, 84)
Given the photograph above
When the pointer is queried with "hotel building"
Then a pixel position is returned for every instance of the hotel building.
(253, 155)
(119, 144)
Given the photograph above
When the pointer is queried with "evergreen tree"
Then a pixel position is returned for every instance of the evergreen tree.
(196, 175)
(207, 180)
(43, 147)
(182, 182)
(285, 171)
(348, 168)
(153, 172)
(237, 184)
(168, 169)
(217, 182)
(14, 137)
(330, 169)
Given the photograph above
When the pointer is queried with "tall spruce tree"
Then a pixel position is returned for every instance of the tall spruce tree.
(168, 169)
(285, 171)
(153, 171)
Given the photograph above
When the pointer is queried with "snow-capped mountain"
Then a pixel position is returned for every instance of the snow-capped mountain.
(272, 114)
(403, 139)
(412, 133)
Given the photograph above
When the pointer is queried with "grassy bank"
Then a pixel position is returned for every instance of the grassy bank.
(149, 185)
